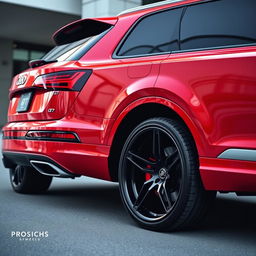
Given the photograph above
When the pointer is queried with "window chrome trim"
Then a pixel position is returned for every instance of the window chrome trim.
(214, 48)
(140, 55)
(148, 6)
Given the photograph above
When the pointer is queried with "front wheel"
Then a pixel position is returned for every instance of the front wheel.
(159, 177)
(25, 179)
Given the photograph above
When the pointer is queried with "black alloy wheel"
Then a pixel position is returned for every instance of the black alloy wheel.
(25, 179)
(17, 176)
(159, 178)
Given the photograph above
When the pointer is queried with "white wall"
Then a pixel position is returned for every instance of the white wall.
(103, 8)
(65, 6)
(5, 77)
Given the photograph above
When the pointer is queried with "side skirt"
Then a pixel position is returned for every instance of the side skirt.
(228, 175)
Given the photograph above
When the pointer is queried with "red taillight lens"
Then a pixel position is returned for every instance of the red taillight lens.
(72, 80)
(52, 135)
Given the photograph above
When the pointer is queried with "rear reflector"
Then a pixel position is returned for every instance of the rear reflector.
(13, 134)
(52, 135)
(72, 80)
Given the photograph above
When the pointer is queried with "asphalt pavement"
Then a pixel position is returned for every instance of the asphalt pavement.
(86, 217)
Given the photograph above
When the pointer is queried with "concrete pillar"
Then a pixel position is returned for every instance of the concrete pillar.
(5, 77)
(104, 8)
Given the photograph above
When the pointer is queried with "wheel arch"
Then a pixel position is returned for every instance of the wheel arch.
(138, 112)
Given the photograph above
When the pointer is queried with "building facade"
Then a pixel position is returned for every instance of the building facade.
(27, 26)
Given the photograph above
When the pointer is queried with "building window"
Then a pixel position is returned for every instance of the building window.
(24, 52)
(150, 1)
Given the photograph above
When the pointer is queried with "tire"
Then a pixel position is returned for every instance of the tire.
(159, 178)
(27, 180)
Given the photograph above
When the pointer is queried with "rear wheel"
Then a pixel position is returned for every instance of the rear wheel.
(25, 179)
(159, 179)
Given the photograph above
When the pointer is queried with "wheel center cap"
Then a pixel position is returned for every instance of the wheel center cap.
(162, 173)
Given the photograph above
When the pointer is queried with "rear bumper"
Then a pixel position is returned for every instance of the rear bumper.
(10, 160)
(76, 159)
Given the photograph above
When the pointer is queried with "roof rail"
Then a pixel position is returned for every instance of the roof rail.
(148, 6)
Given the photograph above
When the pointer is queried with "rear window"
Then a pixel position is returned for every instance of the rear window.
(73, 51)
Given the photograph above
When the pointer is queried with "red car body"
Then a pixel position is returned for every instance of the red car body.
(213, 91)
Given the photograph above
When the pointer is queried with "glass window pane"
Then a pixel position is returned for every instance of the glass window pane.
(20, 54)
(154, 34)
(219, 23)
(34, 55)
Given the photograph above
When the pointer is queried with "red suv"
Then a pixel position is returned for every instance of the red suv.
(161, 98)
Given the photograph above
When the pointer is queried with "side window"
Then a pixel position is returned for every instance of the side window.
(219, 23)
(156, 33)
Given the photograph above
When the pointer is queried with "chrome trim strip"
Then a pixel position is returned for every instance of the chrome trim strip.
(148, 6)
(239, 154)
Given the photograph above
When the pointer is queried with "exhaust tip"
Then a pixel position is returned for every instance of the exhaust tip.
(49, 169)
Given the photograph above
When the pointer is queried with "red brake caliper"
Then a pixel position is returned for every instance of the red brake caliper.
(147, 175)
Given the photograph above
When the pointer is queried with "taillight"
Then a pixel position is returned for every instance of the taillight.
(72, 80)
(52, 135)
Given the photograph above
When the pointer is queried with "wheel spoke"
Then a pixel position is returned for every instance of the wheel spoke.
(19, 175)
(174, 196)
(169, 153)
(174, 162)
(156, 144)
(15, 176)
(142, 159)
(146, 188)
(164, 198)
(140, 162)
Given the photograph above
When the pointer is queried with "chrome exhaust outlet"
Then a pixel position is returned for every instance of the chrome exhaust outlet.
(49, 169)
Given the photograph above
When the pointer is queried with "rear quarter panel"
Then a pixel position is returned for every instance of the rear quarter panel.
(217, 89)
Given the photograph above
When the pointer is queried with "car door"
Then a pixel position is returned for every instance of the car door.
(212, 77)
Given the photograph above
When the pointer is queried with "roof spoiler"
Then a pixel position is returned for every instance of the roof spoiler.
(81, 29)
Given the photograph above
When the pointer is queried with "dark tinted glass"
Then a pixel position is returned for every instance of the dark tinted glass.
(219, 23)
(154, 34)
(73, 51)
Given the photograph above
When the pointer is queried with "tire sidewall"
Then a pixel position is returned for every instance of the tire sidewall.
(20, 187)
(33, 182)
